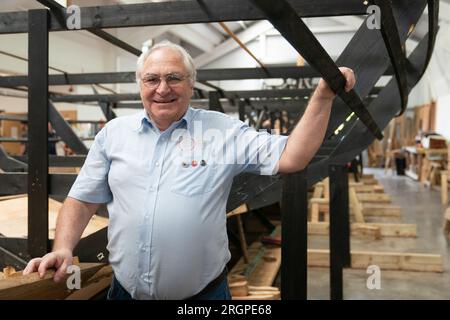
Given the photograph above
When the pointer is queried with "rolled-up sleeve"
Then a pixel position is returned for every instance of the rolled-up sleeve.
(257, 151)
(91, 184)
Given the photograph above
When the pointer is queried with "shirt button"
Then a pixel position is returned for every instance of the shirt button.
(145, 277)
(157, 164)
(151, 189)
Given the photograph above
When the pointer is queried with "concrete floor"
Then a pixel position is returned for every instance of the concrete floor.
(420, 205)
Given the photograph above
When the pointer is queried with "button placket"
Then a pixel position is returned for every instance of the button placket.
(153, 196)
(147, 226)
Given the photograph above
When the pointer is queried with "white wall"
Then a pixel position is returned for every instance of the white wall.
(73, 52)
(272, 50)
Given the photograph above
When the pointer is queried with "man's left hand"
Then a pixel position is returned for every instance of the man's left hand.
(323, 91)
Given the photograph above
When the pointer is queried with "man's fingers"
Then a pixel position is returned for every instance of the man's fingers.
(62, 270)
(32, 266)
(47, 262)
(349, 77)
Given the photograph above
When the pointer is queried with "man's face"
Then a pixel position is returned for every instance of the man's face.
(167, 101)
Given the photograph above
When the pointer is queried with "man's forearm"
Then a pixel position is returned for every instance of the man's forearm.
(72, 220)
(308, 134)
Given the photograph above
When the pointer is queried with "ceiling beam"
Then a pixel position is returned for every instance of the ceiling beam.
(178, 12)
(229, 45)
(189, 35)
(202, 75)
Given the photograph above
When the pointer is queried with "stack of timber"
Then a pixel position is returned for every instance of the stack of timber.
(254, 280)
(367, 202)
(241, 290)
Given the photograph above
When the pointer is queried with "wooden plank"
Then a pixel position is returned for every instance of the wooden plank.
(91, 290)
(374, 197)
(386, 229)
(240, 266)
(266, 271)
(326, 188)
(381, 210)
(444, 187)
(314, 212)
(356, 205)
(265, 261)
(318, 191)
(257, 297)
(374, 188)
(242, 239)
(368, 208)
(362, 229)
(239, 210)
(263, 288)
(385, 260)
(239, 289)
(32, 287)
(369, 181)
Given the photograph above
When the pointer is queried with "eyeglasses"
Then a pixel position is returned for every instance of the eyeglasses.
(153, 81)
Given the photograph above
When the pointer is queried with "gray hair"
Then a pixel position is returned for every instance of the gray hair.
(185, 57)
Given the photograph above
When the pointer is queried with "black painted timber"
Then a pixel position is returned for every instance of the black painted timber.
(294, 236)
(38, 132)
(179, 12)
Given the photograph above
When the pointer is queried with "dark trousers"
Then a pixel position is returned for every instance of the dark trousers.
(218, 291)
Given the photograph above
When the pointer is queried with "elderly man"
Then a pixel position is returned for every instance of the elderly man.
(165, 174)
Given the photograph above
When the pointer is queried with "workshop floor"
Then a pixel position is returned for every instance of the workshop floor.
(420, 205)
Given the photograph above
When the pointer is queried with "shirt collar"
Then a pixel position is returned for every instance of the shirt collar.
(142, 118)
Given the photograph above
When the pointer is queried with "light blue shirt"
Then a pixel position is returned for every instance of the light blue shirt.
(166, 194)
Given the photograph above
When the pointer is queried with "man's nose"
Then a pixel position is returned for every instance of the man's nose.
(163, 87)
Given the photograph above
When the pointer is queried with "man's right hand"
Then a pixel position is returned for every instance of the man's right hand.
(59, 259)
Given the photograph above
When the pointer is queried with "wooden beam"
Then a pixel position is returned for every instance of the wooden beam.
(239, 210)
(385, 260)
(381, 210)
(95, 285)
(178, 12)
(368, 209)
(356, 205)
(444, 186)
(386, 229)
(32, 287)
(374, 197)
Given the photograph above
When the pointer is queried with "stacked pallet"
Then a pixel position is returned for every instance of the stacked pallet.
(367, 201)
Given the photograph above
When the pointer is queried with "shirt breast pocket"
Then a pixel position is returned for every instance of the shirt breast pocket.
(193, 179)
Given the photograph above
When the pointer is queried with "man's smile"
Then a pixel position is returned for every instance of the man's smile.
(162, 101)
